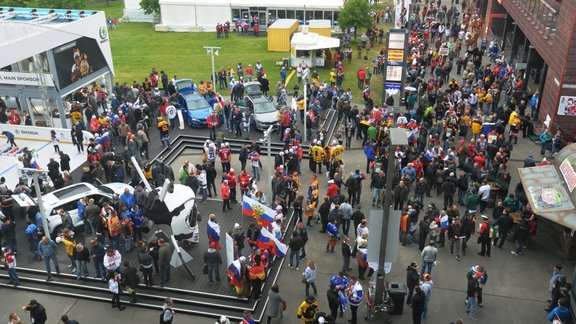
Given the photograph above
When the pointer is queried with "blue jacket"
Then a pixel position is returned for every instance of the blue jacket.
(370, 153)
(340, 283)
(47, 250)
(356, 294)
(562, 312)
(81, 208)
(128, 200)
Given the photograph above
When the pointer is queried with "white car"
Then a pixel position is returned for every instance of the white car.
(67, 198)
(263, 110)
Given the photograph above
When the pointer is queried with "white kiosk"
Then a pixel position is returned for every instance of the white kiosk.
(308, 49)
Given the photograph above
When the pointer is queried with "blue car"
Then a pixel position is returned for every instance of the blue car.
(195, 109)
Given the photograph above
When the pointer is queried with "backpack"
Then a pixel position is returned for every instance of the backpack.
(162, 321)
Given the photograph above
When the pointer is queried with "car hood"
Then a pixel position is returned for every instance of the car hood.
(198, 113)
(269, 117)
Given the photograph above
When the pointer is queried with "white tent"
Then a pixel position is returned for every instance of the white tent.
(306, 48)
(203, 15)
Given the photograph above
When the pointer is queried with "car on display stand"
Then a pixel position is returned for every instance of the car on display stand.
(264, 111)
(67, 198)
(195, 109)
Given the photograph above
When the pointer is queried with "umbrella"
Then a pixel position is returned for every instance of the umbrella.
(409, 89)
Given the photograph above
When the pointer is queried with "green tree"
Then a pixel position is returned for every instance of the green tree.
(17, 3)
(61, 4)
(356, 14)
(150, 6)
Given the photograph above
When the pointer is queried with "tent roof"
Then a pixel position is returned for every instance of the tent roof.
(283, 23)
(319, 23)
(313, 41)
(298, 4)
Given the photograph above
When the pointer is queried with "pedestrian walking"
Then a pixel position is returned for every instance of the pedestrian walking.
(309, 278)
(48, 251)
(212, 261)
(426, 287)
(429, 256)
(130, 281)
(295, 244)
(418, 301)
(114, 286)
(481, 280)
(412, 280)
(484, 237)
(472, 293)
(307, 310)
(346, 254)
(164, 257)
(37, 312)
(276, 304)
(66, 320)
(167, 315)
(334, 301)
(355, 295)
(9, 260)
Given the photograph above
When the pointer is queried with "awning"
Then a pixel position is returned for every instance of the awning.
(312, 41)
(548, 195)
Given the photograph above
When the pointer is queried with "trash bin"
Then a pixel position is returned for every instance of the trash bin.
(397, 292)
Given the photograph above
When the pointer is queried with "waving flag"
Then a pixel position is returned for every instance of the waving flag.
(266, 240)
(263, 214)
(213, 230)
(235, 273)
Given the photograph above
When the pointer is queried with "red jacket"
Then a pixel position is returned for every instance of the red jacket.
(332, 190)
(285, 122)
(212, 121)
(224, 191)
(244, 180)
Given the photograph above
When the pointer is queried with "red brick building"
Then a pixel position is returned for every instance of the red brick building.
(539, 37)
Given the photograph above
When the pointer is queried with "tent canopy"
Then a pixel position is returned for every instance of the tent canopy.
(550, 189)
(313, 41)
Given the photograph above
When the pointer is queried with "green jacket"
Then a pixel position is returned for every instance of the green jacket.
(372, 132)
(472, 201)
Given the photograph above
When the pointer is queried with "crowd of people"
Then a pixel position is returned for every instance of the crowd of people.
(462, 131)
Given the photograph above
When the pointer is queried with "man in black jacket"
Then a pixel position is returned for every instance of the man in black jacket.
(423, 229)
(37, 312)
(412, 280)
(418, 301)
(449, 189)
(324, 210)
(505, 223)
(333, 301)
(130, 280)
(346, 253)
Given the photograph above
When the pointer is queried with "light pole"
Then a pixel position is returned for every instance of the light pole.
(397, 137)
(212, 50)
(305, 109)
(267, 136)
(35, 173)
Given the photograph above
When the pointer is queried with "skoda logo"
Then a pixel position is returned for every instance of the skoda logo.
(103, 33)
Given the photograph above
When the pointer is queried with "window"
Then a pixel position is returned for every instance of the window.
(300, 15)
(318, 14)
(281, 14)
(290, 14)
(335, 19)
(309, 16)
(235, 14)
(272, 15)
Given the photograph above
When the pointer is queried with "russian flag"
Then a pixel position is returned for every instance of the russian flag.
(263, 214)
(213, 230)
(266, 240)
(235, 273)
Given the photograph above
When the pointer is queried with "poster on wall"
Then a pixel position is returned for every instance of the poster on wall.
(77, 60)
(567, 106)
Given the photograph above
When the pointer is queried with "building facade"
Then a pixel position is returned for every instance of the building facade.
(538, 38)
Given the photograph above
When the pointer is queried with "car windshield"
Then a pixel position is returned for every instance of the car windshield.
(253, 90)
(197, 104)
(264, 107)
(105, 189)
(181, 84)
(70, 191)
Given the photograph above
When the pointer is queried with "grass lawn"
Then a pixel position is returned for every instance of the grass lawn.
(136, 48)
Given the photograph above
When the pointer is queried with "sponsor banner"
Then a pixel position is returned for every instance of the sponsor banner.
(567, 106)
(41, 133)
(24, 78)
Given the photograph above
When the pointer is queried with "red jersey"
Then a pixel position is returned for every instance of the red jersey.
(225, 155)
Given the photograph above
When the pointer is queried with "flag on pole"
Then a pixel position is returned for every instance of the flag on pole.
(263, 214)
(213, 231)
(266, 240)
